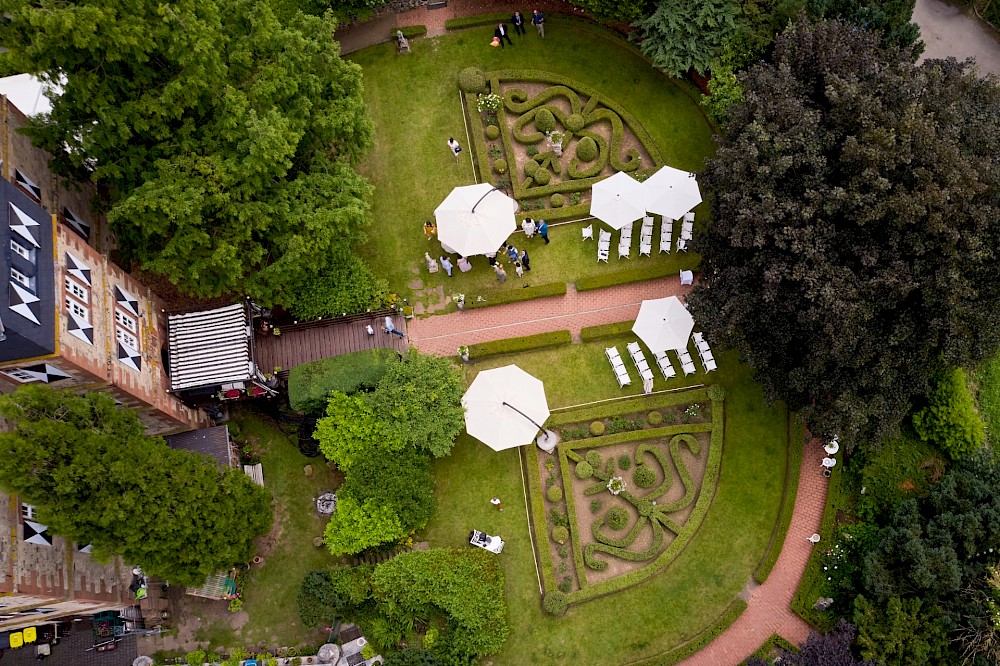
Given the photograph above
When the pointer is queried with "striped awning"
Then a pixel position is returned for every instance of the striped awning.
(209, 348)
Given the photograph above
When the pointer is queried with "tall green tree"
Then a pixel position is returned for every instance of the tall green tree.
(222, 134)
(615, 10)
(686, 34)
(850, 251)
(95, 477)
(892, 19)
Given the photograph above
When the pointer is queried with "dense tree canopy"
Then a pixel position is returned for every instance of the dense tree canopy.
(852, 247)
(687, 34)
(94, 476)
(831, 649)
(892, 19)
(222, 134)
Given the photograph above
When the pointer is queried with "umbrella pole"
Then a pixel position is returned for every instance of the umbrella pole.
(495, 188)
(507, 404)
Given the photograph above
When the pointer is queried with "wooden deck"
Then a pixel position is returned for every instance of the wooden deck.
(315, 340)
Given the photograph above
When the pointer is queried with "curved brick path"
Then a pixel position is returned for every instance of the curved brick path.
(768, 609)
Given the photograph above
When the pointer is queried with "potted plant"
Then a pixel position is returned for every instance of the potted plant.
(463, 352)
(459, 300)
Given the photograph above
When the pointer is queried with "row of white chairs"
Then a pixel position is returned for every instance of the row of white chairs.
(619, 366)
(645, 237)
(704, 352)
(639, 360)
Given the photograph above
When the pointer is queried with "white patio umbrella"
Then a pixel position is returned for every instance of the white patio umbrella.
(505, 407)
(475, 219)
(663, 323)
(671, 192)
(618, 200)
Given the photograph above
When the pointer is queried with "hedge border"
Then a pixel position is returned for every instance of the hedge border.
(520, 344)
(793, 466)
(647, 272)
(476, 21)
(518, 295)
(773, 641)
(709, 482)
(539, 519)
(409, 31)
(601, 331)
(636, 404)
(800, 605)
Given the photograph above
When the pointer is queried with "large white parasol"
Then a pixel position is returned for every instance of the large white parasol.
(505, 407)
(671, 192)
(664, 323)
(618, 200)
(475, 219)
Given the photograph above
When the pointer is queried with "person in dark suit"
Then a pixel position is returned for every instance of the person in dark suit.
(518, 22)
(502, 33)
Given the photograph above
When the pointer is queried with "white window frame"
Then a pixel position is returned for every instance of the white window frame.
(21, 251)
(126, 339)
(126, 321)
(77, 309)
(77, 290)
(22, 279)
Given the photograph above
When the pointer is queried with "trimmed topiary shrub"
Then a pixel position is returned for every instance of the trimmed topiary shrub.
(596, 505)
(617, 518)
(542, 176)
(575, 122)
(545, 121)
(554, 494)
(492, 132)
(557, 200)
(584, 470)
(472, 80)
(950, 419)
(654, 418)
(624, 462)
(500, 166)
(594, 458)
(644, 476)
(596, 429)
(560, 534)
(530, 167)
(555, 603)
(586, 149)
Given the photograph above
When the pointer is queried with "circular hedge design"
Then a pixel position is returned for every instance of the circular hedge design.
(586, 149)
(542, 176)
(500, 166)
(544, 120)
(654, 418)
(617, 518)
(644, 476)
(584, 470)
(472, 80)
(554, 494)
(593, 457)
(557, 200)
(530, 167)
(560, 534)
(575, 122)
(492, 132)
(596, 429)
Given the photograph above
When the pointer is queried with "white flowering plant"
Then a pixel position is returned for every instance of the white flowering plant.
(490, 102)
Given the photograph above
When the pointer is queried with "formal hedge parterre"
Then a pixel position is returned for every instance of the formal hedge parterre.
(521, 344)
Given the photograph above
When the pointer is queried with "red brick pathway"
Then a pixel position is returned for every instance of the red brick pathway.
(443, 334)
(768, 611)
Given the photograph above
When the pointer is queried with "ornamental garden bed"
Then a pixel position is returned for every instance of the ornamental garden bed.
(625, 490)
(549, 139)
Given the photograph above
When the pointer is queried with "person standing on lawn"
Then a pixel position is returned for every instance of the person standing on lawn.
(455, 147)
(543, 230)
(518, 21)
(538, 20)
(525, 259)
(502, 33)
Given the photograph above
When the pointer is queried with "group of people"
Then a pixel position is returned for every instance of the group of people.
(501, 33)
(530, 228)
(518, 258)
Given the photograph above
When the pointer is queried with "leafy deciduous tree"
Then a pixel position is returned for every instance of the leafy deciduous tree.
(687, 34)
(95, 477)
(950, 419)
(849, 253)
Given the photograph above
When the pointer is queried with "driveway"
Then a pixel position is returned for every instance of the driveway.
(948, 32)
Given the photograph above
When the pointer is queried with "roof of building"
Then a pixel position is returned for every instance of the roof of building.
(27, 303)
(74, 649)
(27, 93)
(209, 348)
(212, 442)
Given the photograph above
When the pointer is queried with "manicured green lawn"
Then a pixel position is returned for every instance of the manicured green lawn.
(270, 598)
(415, 104)
(675, 605)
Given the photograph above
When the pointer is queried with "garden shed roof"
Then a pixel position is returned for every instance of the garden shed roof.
(210, 347)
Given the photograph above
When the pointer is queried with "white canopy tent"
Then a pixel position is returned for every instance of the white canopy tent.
(618, 200)
(671, 192)
(475, 219)
(664, 324)
(505, 407)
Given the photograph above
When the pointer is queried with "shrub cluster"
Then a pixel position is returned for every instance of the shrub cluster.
(542, 176)
(560, 534)
(555, 603)
(644, 476)
(472, 80)
(654, 418)
(575, 122)
(554, 494)
(492, 132)
(584, 470)
(617, 518)
(624, 462)
(586, 149)
(500, 166)
(310, 384)
(596, 429)
(950, 419)
(544, 120)
(557, 200)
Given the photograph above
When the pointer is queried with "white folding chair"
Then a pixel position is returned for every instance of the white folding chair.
(588, 232)
(689, 217)
(647, 226)
(666, 231)
(709, 364)
(682, 245)
(621, 373)
(645, 247)
(698, 337)
(687, 230)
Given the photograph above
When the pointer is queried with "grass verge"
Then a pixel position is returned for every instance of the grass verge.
(793, 468)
